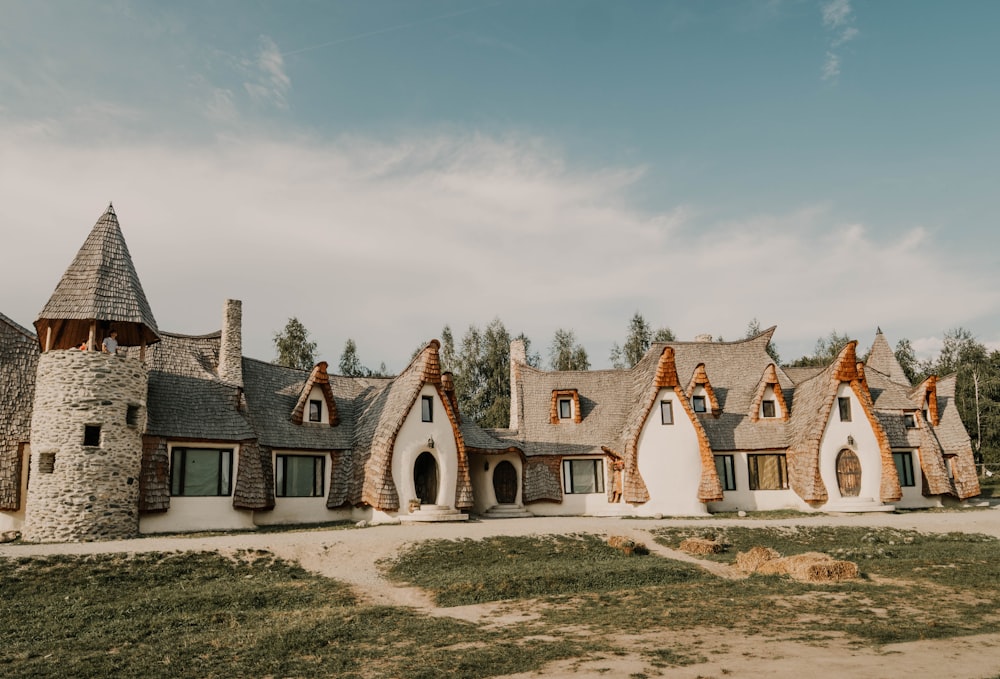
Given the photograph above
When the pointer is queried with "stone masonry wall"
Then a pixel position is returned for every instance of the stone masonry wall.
(231, 344)
(78, 492)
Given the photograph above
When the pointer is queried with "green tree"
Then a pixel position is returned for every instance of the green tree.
(907, 359)
(754, 329)
(294, 350)
(827, 349)
(664, 335)
(637, 342)
(350, 364)
(566, 354)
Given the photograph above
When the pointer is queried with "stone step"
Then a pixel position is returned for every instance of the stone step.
(507, 511)
(857, 505)
(434, 514)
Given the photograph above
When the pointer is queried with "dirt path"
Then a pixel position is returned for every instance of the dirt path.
(352, 556)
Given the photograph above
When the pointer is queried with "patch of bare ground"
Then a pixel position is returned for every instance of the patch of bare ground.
(715, 568)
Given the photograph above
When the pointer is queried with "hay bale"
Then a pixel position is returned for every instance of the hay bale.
(702, 546)
(627, 545)
(751, 560)
(811, 567)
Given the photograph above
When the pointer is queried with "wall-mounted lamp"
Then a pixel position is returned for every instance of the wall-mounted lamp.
(430, 443)
(850, 440)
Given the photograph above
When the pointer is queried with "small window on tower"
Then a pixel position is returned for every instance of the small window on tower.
(46, 463)
(92, 435)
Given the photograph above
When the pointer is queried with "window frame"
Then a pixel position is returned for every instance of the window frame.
(910, 420)
(728, 476)
(753, 470)
(844, 406)
(565, 406)
(904, 473)
(318, 405)
(226, 457)
(281, 475)
(598, 471)
(699, 404)
(426, 408)
(667, 412)
(769, 404)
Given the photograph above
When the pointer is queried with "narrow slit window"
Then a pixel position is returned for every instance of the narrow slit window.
(725, 467)
(844, 403)
(92, 435)
(426, 408)
(132, 416)
(666, 412)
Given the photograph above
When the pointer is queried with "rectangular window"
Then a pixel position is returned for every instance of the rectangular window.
(583, 476)
(92, 435)
(768, 408)
(844, 403)
(910, 420)
(315, 410)
(767, 472)
(726, 469)
(200, 472)
(426, 408)
(904, 468)
(132, 416)
(299, 475)
(565, 409)
(666, 412)
(698, 403)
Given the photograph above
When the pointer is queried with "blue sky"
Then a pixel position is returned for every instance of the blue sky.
(379, 169)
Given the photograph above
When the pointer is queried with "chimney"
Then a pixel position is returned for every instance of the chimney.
(704, 337)
(231, 348)
(518, 357)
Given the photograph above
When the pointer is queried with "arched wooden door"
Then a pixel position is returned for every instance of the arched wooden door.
(425, 478)
(505, 483)
(848, 473)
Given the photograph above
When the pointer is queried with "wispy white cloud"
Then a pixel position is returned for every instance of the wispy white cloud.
(386, 241)
(839, 19)
(269, 82)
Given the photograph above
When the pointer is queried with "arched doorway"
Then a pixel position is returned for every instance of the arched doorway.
(425, 478)
(848, 473)
(505, 483)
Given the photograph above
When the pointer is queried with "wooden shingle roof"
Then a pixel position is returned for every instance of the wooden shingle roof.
(100, 285)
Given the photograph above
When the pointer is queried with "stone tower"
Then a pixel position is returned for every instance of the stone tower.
(90, 407)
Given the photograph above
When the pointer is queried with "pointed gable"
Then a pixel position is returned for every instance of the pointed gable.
(635, 491)
(383, 417)
(317, 378)
(700, 379)
(814, 399)
(883, 359)
(926, 396)
(100, 285)
(769, 379)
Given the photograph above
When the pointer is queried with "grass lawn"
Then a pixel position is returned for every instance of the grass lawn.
(204, 615)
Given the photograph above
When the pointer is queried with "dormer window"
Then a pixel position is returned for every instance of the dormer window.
(426, 408)
(844, 403)
(767, 408)
(315, 410)
(910, 420)
(666, 412)
(565, 408)
(698, 403)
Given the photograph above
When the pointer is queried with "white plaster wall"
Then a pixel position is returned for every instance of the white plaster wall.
(669, 462)
(482, 480)
(293, 510)
(755, 500)
(412, 440)
(865, 447)
(15, 520)
(199, 513)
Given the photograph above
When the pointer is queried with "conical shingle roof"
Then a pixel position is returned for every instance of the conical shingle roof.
(884, 360)
(100, 285)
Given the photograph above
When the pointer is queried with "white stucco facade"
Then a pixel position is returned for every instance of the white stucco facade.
(669, 461)
(837, 436)
(414, 438)
(754, 500)
(483, 490)
(296, 510)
